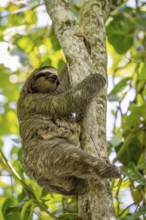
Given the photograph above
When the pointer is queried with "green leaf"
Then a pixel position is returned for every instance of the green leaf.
(130, 150)
(8, 202)
(137, 193)
(10, 211)
(141, 20)
(140, 212)
(16, 19)
(134, 174)
(54, 40)
(142, 75)
(133, 119)
(139, 56)
(13, 216)
(30, 17)
(25, 43)
(26, 209)
(116, 139)
(113, 95)
(120, 33)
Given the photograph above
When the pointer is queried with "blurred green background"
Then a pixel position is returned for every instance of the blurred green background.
(27, 41)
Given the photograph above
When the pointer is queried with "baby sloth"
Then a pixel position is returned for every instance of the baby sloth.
(49, 115)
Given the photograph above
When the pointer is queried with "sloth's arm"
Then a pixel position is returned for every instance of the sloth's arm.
(73, 100)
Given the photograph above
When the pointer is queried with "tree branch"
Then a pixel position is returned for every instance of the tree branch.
(66, 29)
(22, 10)
(93, 26)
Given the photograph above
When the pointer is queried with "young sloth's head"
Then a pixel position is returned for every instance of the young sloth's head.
(44, 80)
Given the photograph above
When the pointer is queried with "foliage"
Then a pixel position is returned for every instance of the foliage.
(28, 41)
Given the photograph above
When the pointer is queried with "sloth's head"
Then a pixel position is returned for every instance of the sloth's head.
(44, 79)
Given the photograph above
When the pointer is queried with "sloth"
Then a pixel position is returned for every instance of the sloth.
(50, 112)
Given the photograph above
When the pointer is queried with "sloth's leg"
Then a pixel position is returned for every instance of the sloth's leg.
(68, 160)
(65, 185)
(81, 187)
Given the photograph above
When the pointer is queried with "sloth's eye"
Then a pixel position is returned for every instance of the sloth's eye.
(45, 74)
(42, 75)
(52, 76)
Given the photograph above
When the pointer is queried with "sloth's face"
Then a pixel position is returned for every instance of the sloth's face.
(46, 80)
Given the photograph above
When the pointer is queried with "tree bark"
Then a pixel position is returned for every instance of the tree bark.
(97, 204)
(66, 28)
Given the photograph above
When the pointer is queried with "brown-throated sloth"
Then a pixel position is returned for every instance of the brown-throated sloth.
(50, 132)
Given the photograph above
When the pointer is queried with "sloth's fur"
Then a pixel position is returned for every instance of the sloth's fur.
(49, 114)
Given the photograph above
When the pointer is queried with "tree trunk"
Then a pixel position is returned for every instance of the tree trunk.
(97, 204)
